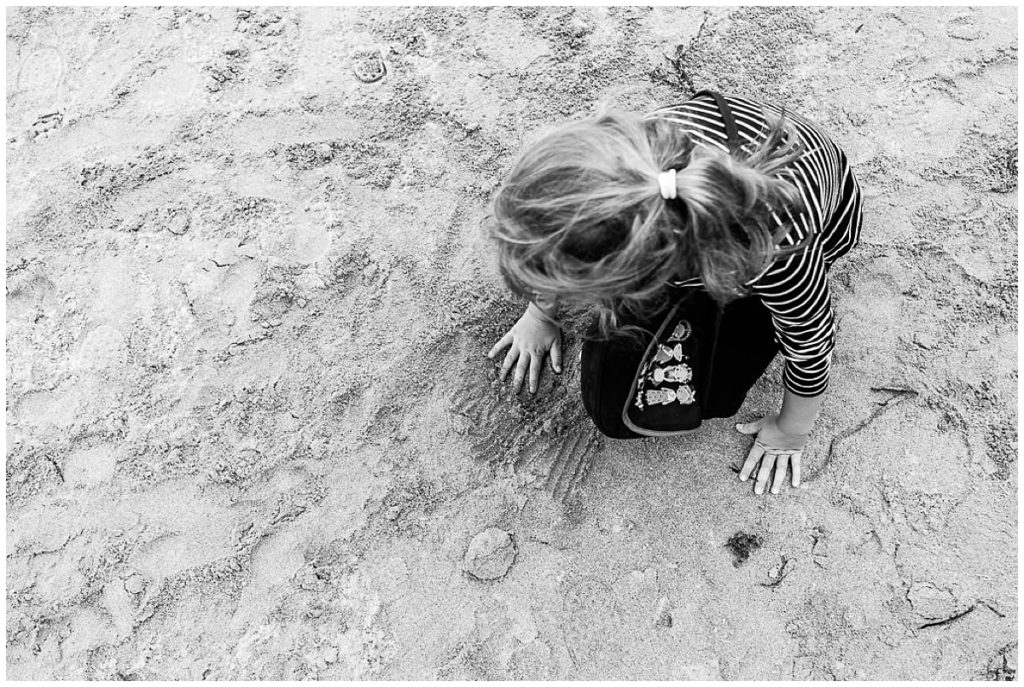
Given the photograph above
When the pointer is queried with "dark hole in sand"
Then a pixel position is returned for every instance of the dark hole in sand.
(742, 545)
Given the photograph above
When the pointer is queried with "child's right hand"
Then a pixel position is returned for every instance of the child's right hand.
(530, 338)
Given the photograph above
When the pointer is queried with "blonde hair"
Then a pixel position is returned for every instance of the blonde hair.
(581, 215)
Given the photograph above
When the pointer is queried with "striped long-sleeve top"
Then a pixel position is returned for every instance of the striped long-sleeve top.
(794, 288)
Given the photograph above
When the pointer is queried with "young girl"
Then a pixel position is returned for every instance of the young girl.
(624, 212)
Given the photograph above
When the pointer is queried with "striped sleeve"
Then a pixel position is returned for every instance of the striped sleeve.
(796, 293)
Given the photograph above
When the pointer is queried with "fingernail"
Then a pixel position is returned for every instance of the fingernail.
(558, 368)
(775, 491)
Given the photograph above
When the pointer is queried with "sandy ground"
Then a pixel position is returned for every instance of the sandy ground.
(251, 430)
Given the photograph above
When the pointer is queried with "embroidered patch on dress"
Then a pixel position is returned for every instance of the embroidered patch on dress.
(686, 395)
(639, 401)
(680, 373)
(681, 332)
(666, 353)
(660, 396)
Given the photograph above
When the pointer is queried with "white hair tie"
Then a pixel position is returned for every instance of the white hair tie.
(667, 182)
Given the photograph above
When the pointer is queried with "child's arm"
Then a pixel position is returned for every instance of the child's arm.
(798, 414)
(796, 292)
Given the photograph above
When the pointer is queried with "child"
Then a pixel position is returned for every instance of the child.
(619, 211)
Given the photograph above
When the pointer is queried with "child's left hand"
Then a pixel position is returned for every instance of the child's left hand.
(772, 447)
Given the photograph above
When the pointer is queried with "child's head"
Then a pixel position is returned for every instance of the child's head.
(581, 216)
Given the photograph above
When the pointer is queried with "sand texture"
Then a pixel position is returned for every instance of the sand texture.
(252, 433)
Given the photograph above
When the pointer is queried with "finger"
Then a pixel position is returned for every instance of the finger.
(781, 465)
(756, 451)
(750, 427)
(502, 342)
(766, 469)
(521, 367)
(535, 366)
(796, 469)
(556, 354)
(510, 358)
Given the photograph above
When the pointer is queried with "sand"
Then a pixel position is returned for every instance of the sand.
(251, 431)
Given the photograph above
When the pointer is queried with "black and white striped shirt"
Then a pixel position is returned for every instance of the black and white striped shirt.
(794, 288)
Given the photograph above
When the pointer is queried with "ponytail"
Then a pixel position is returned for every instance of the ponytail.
(731, 205)
(584, 214)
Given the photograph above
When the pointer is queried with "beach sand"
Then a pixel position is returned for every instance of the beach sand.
(251, 428)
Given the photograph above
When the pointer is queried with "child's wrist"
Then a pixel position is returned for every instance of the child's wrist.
(798, 413)
(548, 316)
(794, 428)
